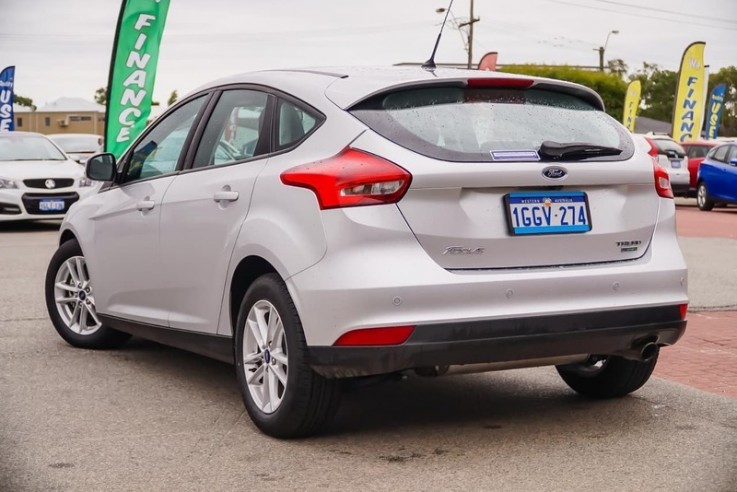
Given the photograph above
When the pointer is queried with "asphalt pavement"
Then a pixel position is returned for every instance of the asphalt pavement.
(147, 417)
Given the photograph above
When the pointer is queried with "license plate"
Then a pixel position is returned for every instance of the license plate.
(675, 164)
(557, 212)
(50, 205)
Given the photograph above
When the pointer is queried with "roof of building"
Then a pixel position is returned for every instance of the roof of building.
(70, 105)
(644, 124)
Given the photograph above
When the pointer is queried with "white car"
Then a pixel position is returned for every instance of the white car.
(671, 157)
(317, 225)
(79, 146)
(37, 180)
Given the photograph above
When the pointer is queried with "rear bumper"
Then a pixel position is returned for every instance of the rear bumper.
(617, 332)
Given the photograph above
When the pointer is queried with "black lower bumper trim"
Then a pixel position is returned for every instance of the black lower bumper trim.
(601, 333)
(210, 345)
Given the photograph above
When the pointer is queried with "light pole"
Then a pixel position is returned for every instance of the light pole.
(469, 39)
(602, 49)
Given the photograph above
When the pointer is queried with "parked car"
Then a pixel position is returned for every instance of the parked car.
(324, 225)
(37, 181)
(717, 179)
(696, 151)
(79, 146)
(671, 157)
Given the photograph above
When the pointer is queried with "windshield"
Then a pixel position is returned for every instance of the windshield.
(92, 143)
(473, 124)
(28, 148)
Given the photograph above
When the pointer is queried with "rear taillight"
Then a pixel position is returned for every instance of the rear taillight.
(390, 335)
(653, 148)
(684, 310)
(351, 179)
(662, 181)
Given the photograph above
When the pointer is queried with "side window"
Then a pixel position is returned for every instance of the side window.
(720, 154)
(159, 151)
(232, 134)
(294, 124)
(732, 154)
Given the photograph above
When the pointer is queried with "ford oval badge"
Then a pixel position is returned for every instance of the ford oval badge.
(554, 172)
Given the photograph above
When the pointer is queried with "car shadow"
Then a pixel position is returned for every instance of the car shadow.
(30, 226)
(483, 403)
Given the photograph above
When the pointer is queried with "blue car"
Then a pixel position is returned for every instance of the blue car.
(717, 179)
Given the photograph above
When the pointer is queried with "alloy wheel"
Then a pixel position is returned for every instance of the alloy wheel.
(265, 361)
(74, 298)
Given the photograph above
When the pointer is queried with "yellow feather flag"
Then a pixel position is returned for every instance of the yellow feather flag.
(690, 99)
(631, 104)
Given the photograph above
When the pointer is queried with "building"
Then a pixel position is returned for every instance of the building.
(65, 115)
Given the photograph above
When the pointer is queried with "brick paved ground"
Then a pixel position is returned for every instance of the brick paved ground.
(706, 356)
(720, 222)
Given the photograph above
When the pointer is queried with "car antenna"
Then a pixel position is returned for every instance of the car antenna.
(430, 64)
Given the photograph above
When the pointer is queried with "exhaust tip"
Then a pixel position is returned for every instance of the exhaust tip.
(649, 350)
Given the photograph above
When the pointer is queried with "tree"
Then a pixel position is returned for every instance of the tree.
(658, 91)
(101, 96)
(610, 87)
(24, 101)
(172, 98)
(618, 66)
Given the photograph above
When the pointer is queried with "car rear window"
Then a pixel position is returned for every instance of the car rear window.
(468, 124)
(665, 145)
(698, 150)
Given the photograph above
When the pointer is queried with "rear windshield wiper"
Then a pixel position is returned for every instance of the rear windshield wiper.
(575, 150)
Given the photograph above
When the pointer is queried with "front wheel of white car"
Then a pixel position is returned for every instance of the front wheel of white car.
(70, 301)
(282, 394)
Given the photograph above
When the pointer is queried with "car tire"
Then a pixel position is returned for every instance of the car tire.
(71, 304)
(283, 396)
(611, 377)
(702, 198)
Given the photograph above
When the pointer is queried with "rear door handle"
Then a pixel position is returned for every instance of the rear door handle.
(225, 196)
(145, 205)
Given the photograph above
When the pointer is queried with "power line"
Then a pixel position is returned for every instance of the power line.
(666, 11)
(680, 22)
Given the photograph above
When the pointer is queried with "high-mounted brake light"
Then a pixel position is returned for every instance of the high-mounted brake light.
(390, 335)
(662, 181)
(352, 178)
(500, 83)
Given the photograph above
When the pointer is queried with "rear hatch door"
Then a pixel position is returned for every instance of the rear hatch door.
(488, 191)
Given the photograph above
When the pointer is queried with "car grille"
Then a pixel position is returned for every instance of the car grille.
(41, 183)
(31, 201)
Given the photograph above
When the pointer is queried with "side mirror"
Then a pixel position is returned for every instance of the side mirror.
(733, 162)
(100, 167)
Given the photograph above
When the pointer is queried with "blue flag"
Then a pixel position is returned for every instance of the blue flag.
(715, 110)
(6, 99)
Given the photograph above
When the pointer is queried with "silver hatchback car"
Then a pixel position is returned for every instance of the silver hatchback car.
(317, 226)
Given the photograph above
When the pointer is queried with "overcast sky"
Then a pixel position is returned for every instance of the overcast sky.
(62, 47)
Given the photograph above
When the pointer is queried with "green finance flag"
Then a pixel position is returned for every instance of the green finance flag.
(133, 71)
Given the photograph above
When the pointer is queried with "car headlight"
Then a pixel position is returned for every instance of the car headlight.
(7, 183)
(83, 182)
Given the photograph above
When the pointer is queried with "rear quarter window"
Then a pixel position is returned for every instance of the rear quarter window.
(467, 124)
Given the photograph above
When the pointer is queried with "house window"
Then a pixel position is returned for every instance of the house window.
(20, 122)
(47, 121)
